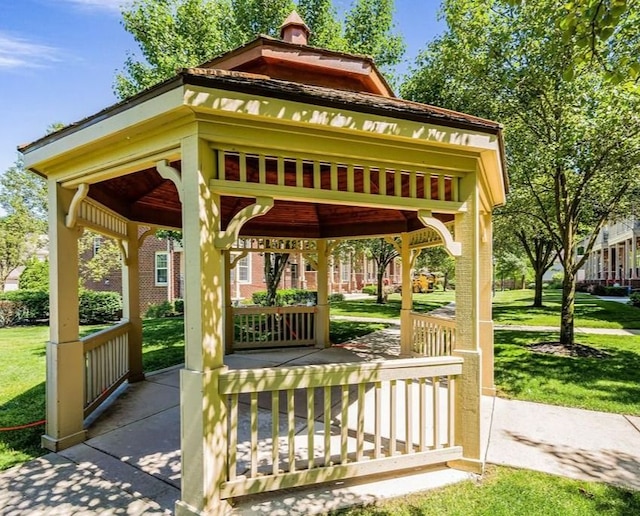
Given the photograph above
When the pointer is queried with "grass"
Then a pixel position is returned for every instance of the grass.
(606, 384)
(22, 386)
(505, 492)
(514, 307)
(369, 308)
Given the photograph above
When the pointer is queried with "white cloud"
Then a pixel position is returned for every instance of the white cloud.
(105, 5)
(18, 52)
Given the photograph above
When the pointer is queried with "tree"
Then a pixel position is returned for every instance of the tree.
(175, 34)
(382, 253)
(99, 256)
(514, 233)
(509, 265)
(274, 265)
(436, 259)
(515, 64)
(326, 29)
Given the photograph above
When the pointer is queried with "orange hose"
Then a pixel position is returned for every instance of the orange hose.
(20, 427)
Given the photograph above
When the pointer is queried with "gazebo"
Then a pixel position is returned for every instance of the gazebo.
(273, 147)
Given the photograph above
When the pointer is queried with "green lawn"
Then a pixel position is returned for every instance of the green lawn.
(514, 307)
(508, 492)
(369, 308)
(22, 391)
(607, 384)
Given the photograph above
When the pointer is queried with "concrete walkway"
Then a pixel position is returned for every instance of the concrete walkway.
(131, 462)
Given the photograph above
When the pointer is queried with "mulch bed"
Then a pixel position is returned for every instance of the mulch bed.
(573, 350)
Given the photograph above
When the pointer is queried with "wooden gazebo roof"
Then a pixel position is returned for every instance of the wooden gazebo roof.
(296, 73)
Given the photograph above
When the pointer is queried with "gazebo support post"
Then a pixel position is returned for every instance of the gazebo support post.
(65, 355)
(131, 302)
(203, 439)
(406, 335)
(485, 311)
(468, 297)
(228, 306)
(322, 315)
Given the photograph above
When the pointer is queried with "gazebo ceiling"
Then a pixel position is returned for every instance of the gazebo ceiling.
(148, 198)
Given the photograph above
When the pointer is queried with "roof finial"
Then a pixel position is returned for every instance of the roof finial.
(295, 30)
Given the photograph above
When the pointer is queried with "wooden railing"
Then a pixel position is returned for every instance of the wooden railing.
(290, 426)
(263, 327)
(106, 363)
(432, 336)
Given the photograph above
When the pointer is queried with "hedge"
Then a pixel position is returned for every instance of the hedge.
(28, 306)
(287, 297)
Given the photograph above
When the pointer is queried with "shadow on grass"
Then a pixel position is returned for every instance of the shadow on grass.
(344, 331)
(162, 343)
(609, 384)
(391, 309)
(589, 311)
(19, 445)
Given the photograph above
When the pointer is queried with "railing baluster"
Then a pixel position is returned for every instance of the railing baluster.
(311, 400)
(350, 178)
(291, 429)
(377, 432)
(299, 173)
(233, 437)
(242, 157)
(436, 411)
(262, 169)
(327, 425)
(408, 411)
(360, 423)
(344, 424)
(254, 433)
(366, 179)
(397, 182)
(422, 383)
(334, 177)
(275, 431)
(393, 413)
(451, 400)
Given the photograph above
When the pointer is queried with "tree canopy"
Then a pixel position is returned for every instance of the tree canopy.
(572, 134)
(174, 34)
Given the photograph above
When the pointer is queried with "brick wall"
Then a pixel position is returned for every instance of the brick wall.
(150, 292)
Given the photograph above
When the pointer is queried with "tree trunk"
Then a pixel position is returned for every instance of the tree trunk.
(445, 281)
(274, 266)
(537, 297)
(381, 297)
(568, 307)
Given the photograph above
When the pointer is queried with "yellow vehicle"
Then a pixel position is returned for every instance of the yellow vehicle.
(423, 282)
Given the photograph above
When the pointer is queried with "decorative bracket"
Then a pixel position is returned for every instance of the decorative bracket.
(414, 255)
(227, 237)
(396, 245)
(123, 250)
(453, 248)
(170, 173)
(312, 261)
(74, 207)
(149, 232)
(235, 259)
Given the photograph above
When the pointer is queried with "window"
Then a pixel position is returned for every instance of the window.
(162, 268)
(97, 242)
(345, 272)
(244, 270)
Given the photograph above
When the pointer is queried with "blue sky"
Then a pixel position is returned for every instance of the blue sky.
(58, 59)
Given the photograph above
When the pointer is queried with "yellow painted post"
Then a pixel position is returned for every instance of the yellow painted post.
(203, 419)
(468, 386)
(228, 306)
(65, 356)
(406, 333)
(322, 314)
(131, 302)
(485, 301)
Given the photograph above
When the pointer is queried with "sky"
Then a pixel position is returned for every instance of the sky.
(58, 60)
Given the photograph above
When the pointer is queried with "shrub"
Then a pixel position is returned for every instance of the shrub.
(178, 306)
(287, 297)
(34, 304)
(616, 291)
(556, 281)
(155, 311)
(35, 276)
(371, 290)
(336, 298)
(99, 307)
(634, 299)
(11, 313)
(599, 290)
